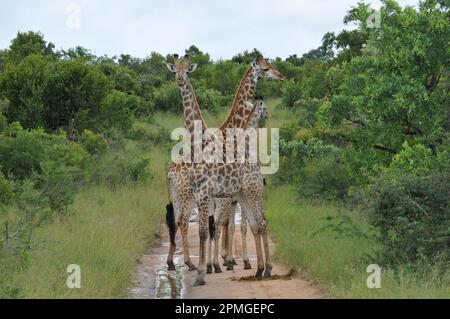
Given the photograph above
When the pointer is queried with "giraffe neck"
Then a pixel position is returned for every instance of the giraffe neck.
(245, 92)
(191, 108)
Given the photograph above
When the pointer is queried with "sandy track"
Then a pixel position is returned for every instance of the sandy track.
(154, 281)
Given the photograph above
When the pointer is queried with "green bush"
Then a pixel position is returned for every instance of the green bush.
(291, 93)
(118, 168)
(23, 151)
(412, 214)
(6, 191)
(145, 133)
(58, 183)
(168, 98)
(3, 122)
(210, 99)
(93, 143)
(324, 178)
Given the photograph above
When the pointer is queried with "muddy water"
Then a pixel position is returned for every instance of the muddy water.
(152, 280)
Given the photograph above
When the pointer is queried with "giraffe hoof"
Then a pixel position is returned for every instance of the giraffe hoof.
(259, 273)
(268, 273)
(190, 265)
(234, 262)
(217, 269)
(230, 266)
(171, 266)
(199, 282)
(209, 269)
(247, 265)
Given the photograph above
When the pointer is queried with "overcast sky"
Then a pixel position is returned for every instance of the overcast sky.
(221, 28)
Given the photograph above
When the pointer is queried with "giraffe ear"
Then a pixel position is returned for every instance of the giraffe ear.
(255, 65)
(192, 68)
(171, 67)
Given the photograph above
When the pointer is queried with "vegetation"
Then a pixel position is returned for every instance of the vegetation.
(363, 179)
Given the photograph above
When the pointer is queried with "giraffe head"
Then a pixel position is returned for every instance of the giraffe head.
(265, 70)
(181, 69)
(261, 109)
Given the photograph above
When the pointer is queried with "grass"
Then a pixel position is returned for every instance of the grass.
(335, 256)
(105, 232)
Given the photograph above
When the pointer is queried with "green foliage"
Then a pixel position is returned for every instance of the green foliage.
(58, 183)
(74, 89)
(149, 133)
(413, 215)
(168, 98)
(24, 86)
(291, 92)
(28, 43)
(94, 143)
(211, 100)
(119, 168)
(325, 178)
(117, 110)
(6, 192)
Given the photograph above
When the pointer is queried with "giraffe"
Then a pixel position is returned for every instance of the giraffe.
(180, 190)
(224, 213)
(243, 182)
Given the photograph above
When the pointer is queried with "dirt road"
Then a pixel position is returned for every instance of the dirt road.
(154, 281)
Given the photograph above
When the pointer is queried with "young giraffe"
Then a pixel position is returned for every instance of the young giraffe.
(180, 188)
(225, 210)
(243, 182)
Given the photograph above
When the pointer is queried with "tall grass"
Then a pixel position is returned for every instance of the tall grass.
(333, 246)
(105, 232)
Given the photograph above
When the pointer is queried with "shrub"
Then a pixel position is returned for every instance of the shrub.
(3, 122)
(58, 183)
(413, 217)
(6, 192)
(325, 178)
(291, 93)
(142, 132)
(168, 98)
(210, 99)
(117, 110)
(93, 143)
(23, 151)
(119, 168)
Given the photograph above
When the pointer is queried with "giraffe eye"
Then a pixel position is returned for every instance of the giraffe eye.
(265, 69)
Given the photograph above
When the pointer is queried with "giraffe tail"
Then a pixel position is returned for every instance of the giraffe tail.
(212, 227)
(170, 220)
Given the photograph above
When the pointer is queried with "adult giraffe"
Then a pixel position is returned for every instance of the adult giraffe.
(225, 210)
(180, 189)
(243, 182)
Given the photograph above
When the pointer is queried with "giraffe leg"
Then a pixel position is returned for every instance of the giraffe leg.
(219, 215)
(216, 251)
(205, 206)
(249, 206)
(231, 228)
(170, 264)
(268, 271)
(209, 269)
(245, 258)
(224, 251)
(184, 227)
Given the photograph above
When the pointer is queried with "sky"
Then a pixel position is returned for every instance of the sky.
(138, 27)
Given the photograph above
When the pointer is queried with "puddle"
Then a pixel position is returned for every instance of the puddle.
(169, 285)
(154, 281)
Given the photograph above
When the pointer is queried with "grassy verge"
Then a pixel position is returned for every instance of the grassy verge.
(324, 242)
(105, 232)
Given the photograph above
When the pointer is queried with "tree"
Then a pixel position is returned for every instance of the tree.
(400, 93)
(28, 43)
